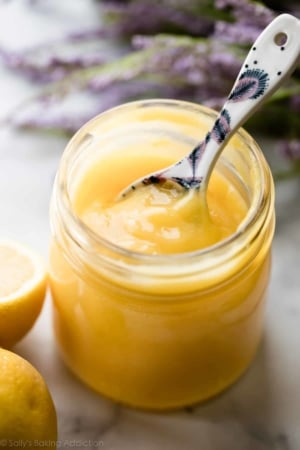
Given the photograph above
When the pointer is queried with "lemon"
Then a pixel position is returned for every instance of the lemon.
(27, 414)
(22, 290)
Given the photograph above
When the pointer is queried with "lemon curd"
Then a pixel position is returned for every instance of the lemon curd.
(158, 300)
(156, 219)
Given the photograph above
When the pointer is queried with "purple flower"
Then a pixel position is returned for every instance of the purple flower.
(250, 18)
(295, 103)
(210, 67)
(127, 18)
(247, 11)
(161, 63)
(290, 149)
(53, 62)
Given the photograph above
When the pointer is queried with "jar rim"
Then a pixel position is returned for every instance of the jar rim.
(86, 238)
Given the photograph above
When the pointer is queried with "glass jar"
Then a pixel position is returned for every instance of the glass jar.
(160, 331)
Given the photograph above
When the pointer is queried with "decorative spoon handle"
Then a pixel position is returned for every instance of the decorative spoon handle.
(271, 59)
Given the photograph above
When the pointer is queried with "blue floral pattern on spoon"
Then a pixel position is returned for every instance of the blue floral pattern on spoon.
(266, 66)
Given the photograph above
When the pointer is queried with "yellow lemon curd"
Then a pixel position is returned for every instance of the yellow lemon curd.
(156, 219)
(177, 334)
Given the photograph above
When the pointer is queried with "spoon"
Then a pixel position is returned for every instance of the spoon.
(269, 62)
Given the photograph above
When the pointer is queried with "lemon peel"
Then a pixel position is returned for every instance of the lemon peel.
(27, 413)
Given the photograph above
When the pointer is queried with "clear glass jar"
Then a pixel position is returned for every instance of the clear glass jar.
(155, 331)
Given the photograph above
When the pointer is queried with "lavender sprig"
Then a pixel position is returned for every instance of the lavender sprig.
(291, 149)
(198, 61)
(164, 66)
(52, 62)
(199, 70)
(239, 18)
(130, 17)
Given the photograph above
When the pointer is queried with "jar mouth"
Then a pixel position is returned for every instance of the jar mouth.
(88, 240)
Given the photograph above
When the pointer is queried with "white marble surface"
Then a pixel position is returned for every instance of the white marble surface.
(260, 412)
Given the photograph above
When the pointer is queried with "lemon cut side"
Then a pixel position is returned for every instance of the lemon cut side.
(23, 281)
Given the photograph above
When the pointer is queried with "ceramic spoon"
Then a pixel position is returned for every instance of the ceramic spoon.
(271, 59)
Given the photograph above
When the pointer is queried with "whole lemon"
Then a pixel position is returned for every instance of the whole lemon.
(27, 413)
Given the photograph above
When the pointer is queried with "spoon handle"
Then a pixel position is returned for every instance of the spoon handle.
(271, 59)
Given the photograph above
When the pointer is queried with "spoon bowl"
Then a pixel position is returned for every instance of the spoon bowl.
(269, 62)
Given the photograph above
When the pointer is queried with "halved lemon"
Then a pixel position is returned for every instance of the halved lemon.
(23, 281)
